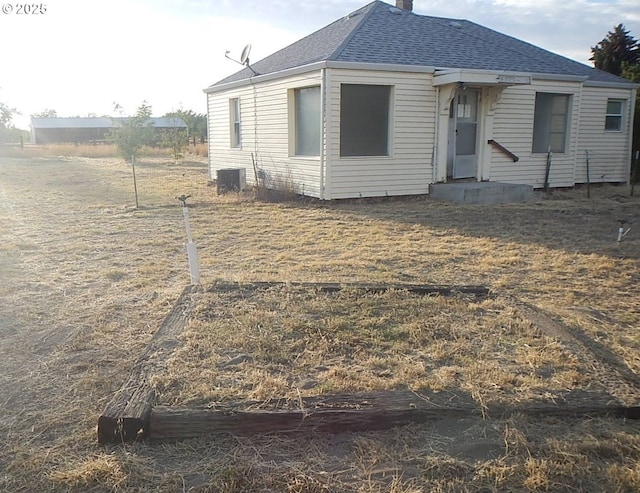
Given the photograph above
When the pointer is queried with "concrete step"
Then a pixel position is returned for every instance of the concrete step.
(481, 192)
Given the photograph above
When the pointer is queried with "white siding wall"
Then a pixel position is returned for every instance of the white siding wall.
(265, 129)
(513, 128)
(408, 169)
(609, 151)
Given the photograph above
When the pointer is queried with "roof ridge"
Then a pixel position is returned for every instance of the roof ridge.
(371, 7)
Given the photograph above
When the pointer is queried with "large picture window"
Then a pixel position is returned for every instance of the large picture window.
(308, 124)
(550, 122)
(364, 120)
(234, 122)
(613, 118)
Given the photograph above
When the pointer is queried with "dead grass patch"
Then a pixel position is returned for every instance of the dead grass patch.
(289, 342)
(94, 151)
(87, 278)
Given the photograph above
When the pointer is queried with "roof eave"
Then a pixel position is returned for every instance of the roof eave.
(456, 73)
(318, 66)
(612, 85)
(385, 67)
(560, 77)
(266, 77)
(446, 76)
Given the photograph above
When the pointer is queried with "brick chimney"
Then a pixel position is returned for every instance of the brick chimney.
(405, 5)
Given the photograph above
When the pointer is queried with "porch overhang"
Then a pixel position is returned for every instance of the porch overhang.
(480, 77)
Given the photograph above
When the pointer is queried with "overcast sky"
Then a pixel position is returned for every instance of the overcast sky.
(80, 57)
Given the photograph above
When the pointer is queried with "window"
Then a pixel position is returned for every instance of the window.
(613, 119)
(364, 120)
(234, 122)
(307, 121)
(550, 122)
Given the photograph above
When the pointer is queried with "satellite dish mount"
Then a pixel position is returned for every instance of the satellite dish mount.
(244, 58)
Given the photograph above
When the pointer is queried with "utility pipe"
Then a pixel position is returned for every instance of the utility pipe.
(192, 251)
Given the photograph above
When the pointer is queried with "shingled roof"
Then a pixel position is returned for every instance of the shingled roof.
(380, 33)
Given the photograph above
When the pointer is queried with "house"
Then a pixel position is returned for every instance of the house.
(387, 102)
(89, 130)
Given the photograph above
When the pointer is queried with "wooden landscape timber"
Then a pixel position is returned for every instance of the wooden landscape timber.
(366, 412)
(330, 413)
(133, 414)
(126, 417)
(333, 287)
(623, 383)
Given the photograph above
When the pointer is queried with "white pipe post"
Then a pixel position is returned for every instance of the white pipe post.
(185, 213)
(622, 232)
(192, 252)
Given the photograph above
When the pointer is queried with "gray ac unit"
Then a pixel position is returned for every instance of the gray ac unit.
(231, 180)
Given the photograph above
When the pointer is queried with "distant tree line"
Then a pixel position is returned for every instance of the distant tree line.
(196, 123)
(48, 113)
(132, 133)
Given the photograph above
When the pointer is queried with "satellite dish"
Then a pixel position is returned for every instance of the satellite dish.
(244, 57)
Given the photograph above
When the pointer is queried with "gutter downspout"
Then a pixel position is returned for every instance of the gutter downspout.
(323, 89)
(632, 116)
(576, 149)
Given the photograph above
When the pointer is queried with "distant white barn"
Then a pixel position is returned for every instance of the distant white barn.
(88, 130)
(387, 102)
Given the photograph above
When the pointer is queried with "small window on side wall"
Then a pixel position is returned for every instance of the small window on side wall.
(307, 121)
(364, 120)
(550, 122)
(234, 122)
(613, 118)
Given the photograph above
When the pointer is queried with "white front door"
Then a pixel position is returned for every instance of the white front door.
(463, 134)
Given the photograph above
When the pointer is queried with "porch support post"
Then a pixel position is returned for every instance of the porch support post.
(489, 100)
(446, 93)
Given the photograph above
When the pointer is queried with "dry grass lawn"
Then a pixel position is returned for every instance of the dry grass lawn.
(87, 278)
(293, 342)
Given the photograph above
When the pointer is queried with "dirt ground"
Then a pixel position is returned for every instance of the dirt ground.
(86, 279)
(68, 237)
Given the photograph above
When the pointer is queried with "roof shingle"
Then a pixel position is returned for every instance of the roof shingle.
(379, 33)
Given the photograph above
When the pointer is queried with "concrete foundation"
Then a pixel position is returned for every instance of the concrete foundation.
(481, 192)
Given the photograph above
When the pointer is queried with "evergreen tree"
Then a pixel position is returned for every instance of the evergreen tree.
(616, 48)
(619, 54)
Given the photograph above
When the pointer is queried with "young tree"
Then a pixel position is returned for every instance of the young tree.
(6, 122)
(175, 138)
(130, 134)
(6, 115)
(618, 47)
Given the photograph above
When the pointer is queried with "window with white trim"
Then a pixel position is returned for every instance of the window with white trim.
(550, 122)
(234, 122)
(307, 121)
(613, 118)
(364, 120)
